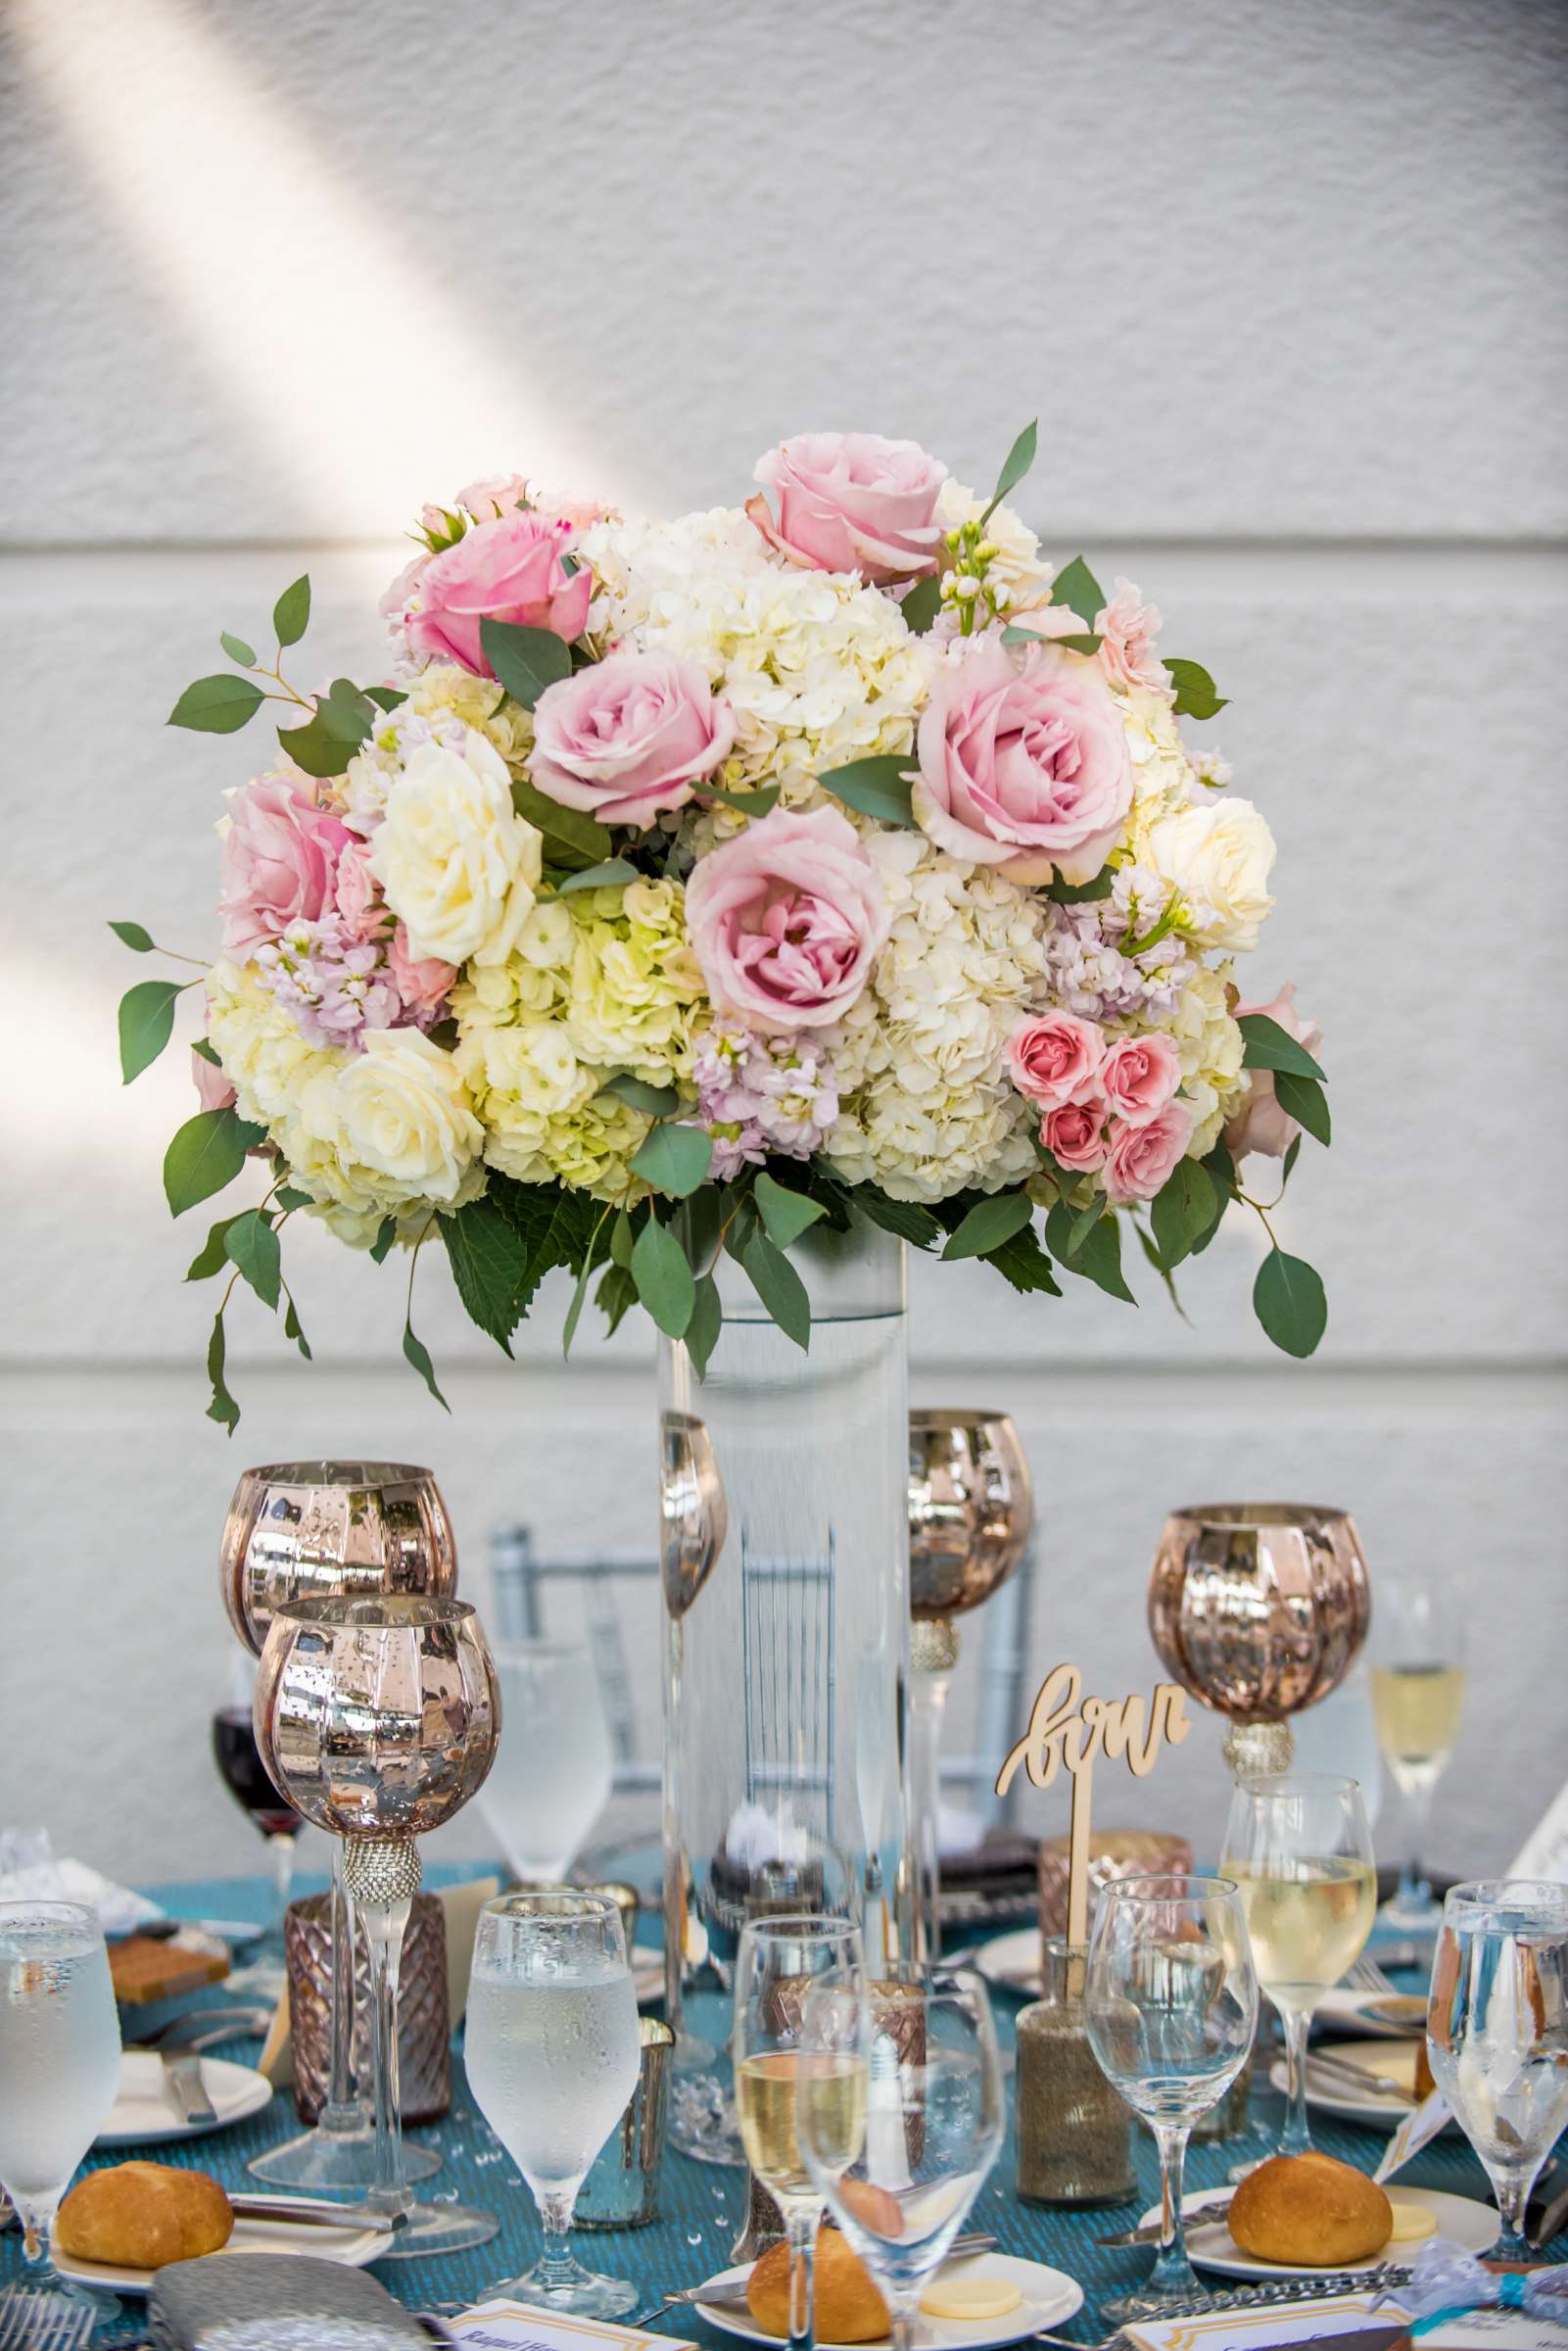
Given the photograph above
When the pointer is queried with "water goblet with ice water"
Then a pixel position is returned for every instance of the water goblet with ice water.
(552, 2052)
(553, 1766)
(1170, 2005)
(59, 2060)
(1497, 2032)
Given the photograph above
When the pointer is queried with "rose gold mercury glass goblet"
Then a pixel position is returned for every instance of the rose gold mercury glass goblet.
(971, 1510)
(378, 1718)
(302, 1530)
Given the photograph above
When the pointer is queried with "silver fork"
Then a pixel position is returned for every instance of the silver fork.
(37, 2319)
(1365, 1975)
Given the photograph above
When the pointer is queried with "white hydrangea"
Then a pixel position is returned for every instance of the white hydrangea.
(265, 1057)
(1209, 1047)
(926, 1104)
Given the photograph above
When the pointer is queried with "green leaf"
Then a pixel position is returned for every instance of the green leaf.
(207, 1153)
(579, 1292)
(1220, 1170)
(1083, 1224)
(991, 1222)
(615, 1295)
(1079, 894)
(1085, 642)
(707, 1320)
(525, 660)
(217, 705)
(417, 1353)
(1196, 696)
(1304, 1099)
(906, 1217)
(664, 1280)
(1100, 1259)
(780, 1287)
(146, 1023)
(1288, 1299)
(488, 1263)
(292, 1330)
(785, 1213)
(1160, 1268)
(1076, 587)
(878, 787)
(321, 747)
(200, 1046)
(1182, 1210)
(383, 1242)
(290, 614)
(222, 1408)
(621, 1239)
(133, 935)
(252, 1244)
(921, 605)
(614, 870)
(1271, 1047)
(211, 1257)
(749, 803)
(291, 1198)
(657, 1100)
(385, 697)
(674, 1160)
(698, 1226)
(1015, 465)
(568, 825)
(1024, 1262)
(1291, 1157)
(237, 649)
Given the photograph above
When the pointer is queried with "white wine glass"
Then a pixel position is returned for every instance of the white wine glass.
(1498, 2033)
(58, 2062)
(1418, 1697)
(778, 1960)
(552, 2052)
(552, 1772)
(1170, 2005)
(1300, 1851)
(899, 2114)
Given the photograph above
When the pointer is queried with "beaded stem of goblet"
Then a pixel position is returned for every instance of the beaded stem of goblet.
(381, 1875)
(1256, 1750)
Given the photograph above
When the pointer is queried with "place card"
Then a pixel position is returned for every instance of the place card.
(1493, 2331)
(1412, 2135)
(512, 2327)
(1348, 2324)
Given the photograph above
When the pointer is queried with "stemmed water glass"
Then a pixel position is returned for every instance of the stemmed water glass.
(302, 1530)
(1497, 2033)
(59, 2061)
(1171, 2004)
(1418, 1692)
(899, 2113)
(1300, 1853)
(553, 1768)
(378, 1719)
(552, 2052)
(778, 1962)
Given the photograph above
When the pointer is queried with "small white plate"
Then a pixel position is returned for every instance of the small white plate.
(1050, 2296)
(145, 2113)
(1012, 1960)
(1393, 2059)
(353, 2247)
(1211, 2245)
(1348, 2010)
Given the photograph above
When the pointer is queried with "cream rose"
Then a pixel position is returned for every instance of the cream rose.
(453, 858)
(402, 1126)
(1219, 857)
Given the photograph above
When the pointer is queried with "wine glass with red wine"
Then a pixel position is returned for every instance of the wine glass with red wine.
(243, 1775)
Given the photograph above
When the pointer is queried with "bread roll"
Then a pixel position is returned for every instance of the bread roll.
(849, 2309)
(1309, 2211)
(142, 2216)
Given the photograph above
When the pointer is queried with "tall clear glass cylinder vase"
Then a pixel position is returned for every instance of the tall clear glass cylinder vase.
(785, 1571)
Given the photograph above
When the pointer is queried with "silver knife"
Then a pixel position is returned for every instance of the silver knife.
(1149, 2234)
(182, 2071)
(1342, 2073)
(314, 2212)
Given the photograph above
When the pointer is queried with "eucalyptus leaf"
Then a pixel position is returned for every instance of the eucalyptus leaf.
(1085, 641)
(657, 1100)
(569, 825)
(1015, 465)
(1291, 1157)
(599, 876)
(1289, 1301)
(579, 1293)
(237, 649)
(1196, 694)
(674, 1159)
(133, 935)
(291, 1329)
(205, 1052)
(1076, 587)
(222, 1408)
(1083, 1224)
(211, 1257)
(780, 1287)
(1304, 1099)
(385, 697)
(991, 1222)
(289, 1198)
(664, 1280)
(1100, 1258)
(615, 1296)
(384, 1236)
(417, 1353)
(290, 614)
(621, 1239)
(707, 1320)
(207, 1153)
(146, 1023)
(1182, 1210)
(251, 1244)
(524, 660)
(921, 605)
(785, 1214)
(879, 786)
(1081, 894)
(216, 705)
(1271, 1047)
(749, 803)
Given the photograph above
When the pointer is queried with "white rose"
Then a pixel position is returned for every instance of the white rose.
(400, 1124)
(454, 860)
(1219, 857)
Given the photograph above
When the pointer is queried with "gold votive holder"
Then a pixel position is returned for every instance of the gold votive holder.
(424, 2019)
(1074, 2131)
(622, 2187)
(1116, 1854)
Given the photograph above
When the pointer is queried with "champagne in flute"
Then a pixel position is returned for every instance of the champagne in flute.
(769, 2088)
(1417, 1697)
(1416, 1709)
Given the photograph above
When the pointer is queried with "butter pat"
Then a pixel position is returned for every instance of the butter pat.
(1411, 2221)
(969, 2298)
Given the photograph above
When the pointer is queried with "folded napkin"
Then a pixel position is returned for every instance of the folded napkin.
(1445, 2282)
(30, 1873)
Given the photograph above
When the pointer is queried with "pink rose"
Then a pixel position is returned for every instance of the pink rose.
(354, 893)
(1127, 629)
(510, 569)
(1141, 1158)
(1072, 1136)
(787, 918)
(629, 737)
(393, 604)
(423, 984)
(278, 862)
(852, 501)
(1260, 1124)
(214, 1090)
(1056, 1059)
(1024, 764)
(494, 495)
(1140, 1074)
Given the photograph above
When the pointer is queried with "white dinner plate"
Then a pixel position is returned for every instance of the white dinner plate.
(1010, 1961)
(353, 2247)
(1211, 2246)
(1373, 2013)
(1393, 2059)
(145, 2112)
(1049, 2297)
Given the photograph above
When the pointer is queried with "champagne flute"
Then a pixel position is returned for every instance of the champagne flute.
(1417, 1693)
(377, 1718)
(553, 1768)
(1170, 2004)
(553, 2051)
(58, 2062)
(1498, 2033)
(777, 1961)
(899, 2112)
(1298, 1847)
